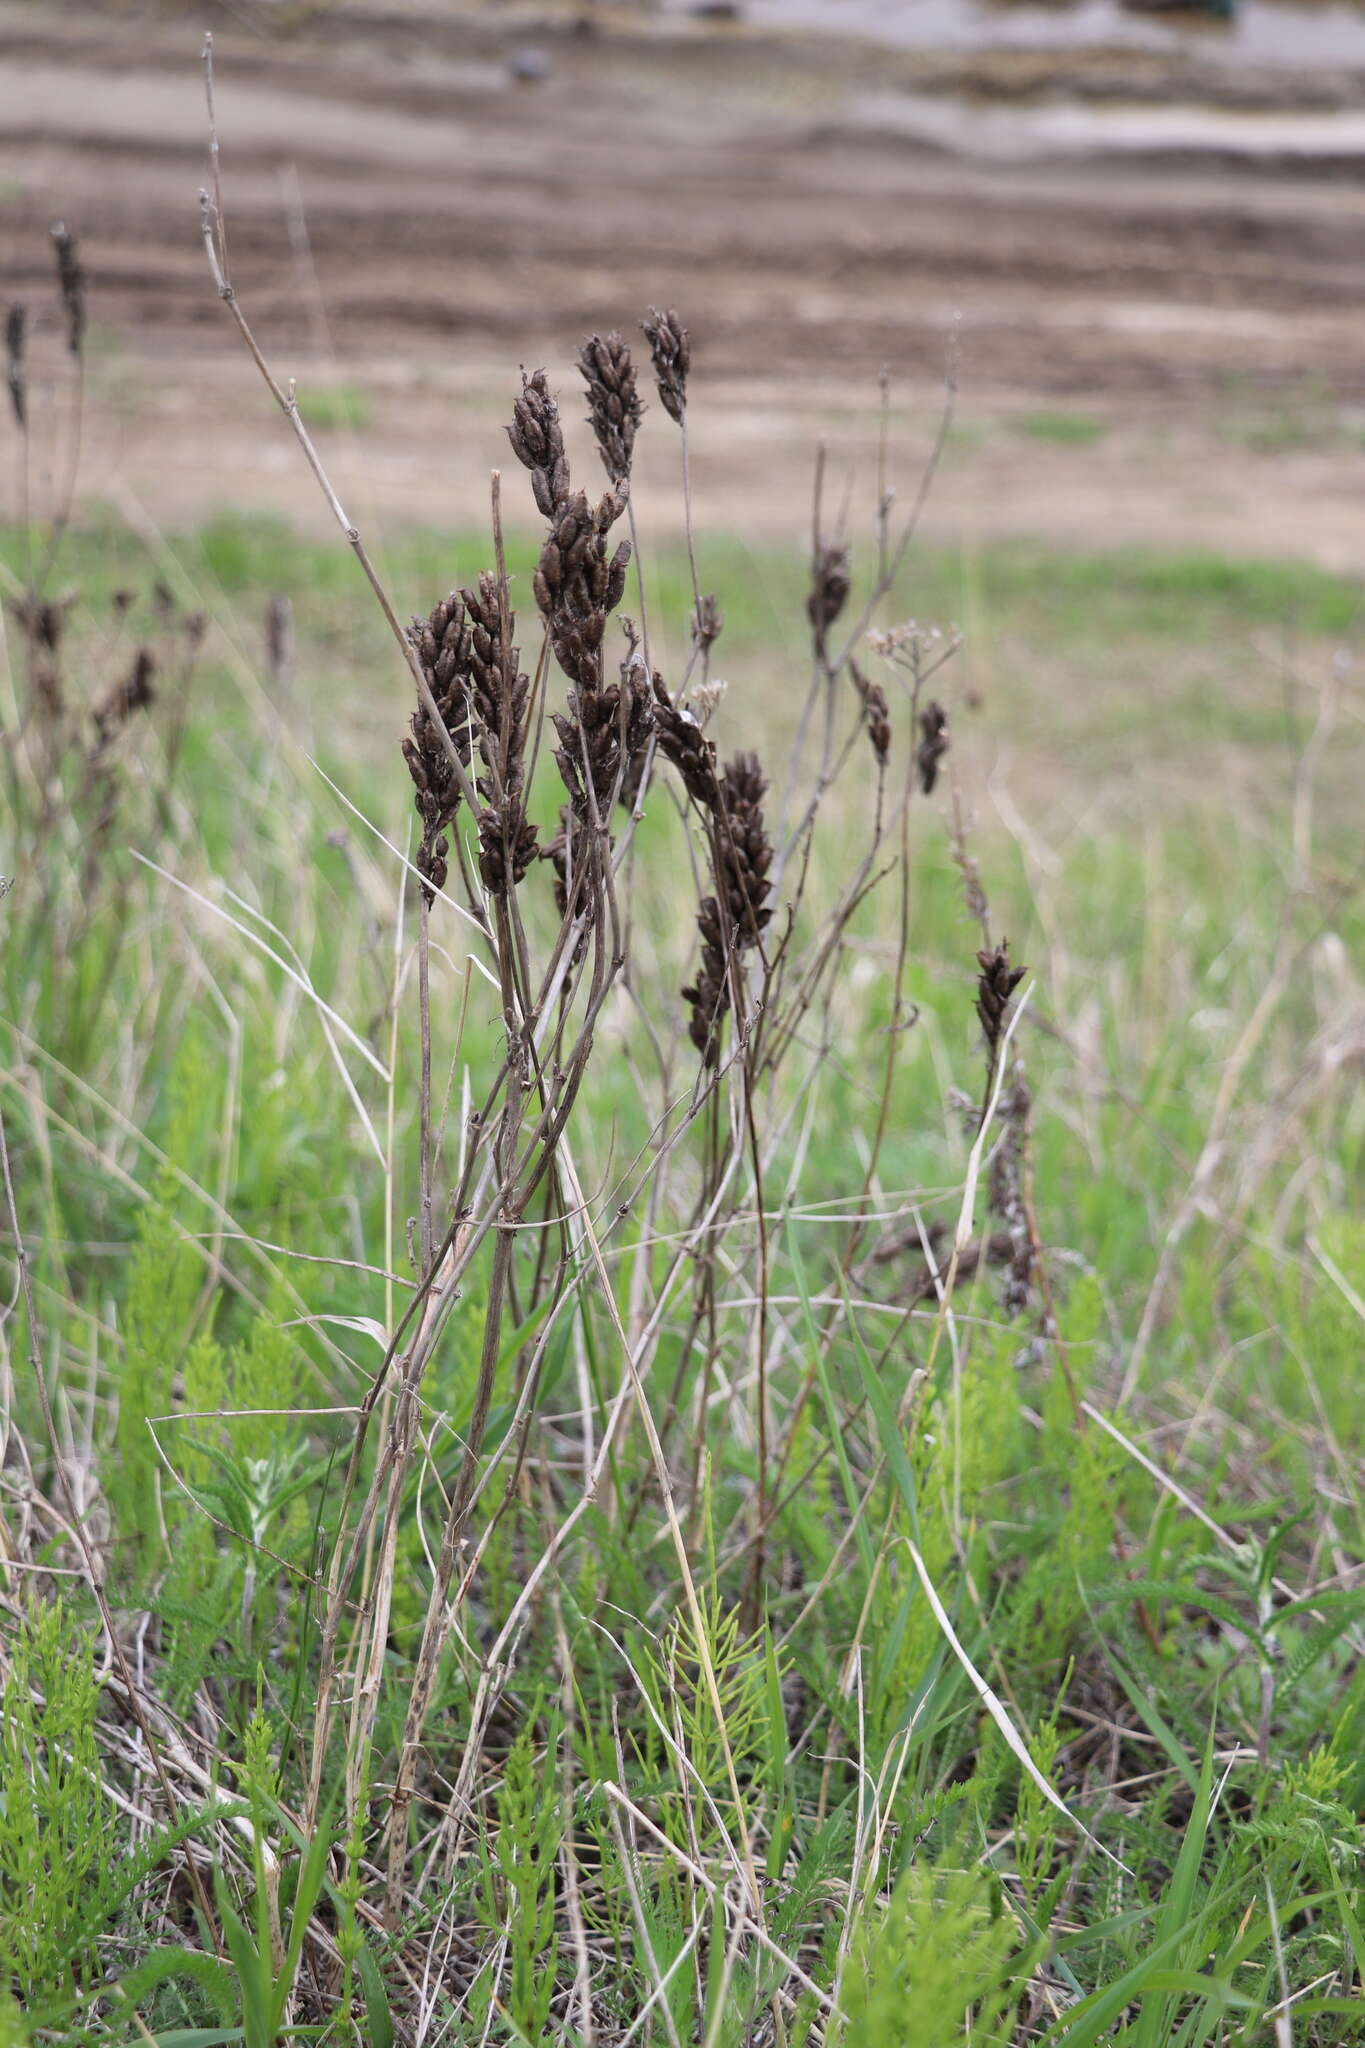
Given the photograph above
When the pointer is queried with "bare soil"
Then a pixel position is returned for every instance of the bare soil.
(1156, 322)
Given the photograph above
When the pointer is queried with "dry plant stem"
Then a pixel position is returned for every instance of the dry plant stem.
(76, 1522)
(690, 535)
(819, 672)
(893, 563)
(214, 235)
(425, 1161)
(440, 1616)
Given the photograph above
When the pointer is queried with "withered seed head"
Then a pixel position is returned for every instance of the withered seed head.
(71, 282)
(738, 915)
(500, 695)
(16, 328)
(829, 587)
(577, 583)
(996, 984)
(683, 743)
(933, 725)
(442, 642)
(614, 408)
(875, 710)
(668, 346)
(134, 692)
(708, 623)
(538, 441)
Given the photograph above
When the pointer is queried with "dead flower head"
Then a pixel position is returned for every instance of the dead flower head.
(538, 441)
(933, 725)
(668, 346)
(995, 985)
(614, 408)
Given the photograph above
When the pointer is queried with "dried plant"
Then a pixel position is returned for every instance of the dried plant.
(71, 280)
(829, 589)
(538, 441)
(16, 329)
(672, 358)
(502, 699)
(933, 745)
(435, 751)
(736, 917)
(995, 985)
(579, 581)
(876, 710)
(614, 408)
(708, 623)
(682, 741)
(133, 692)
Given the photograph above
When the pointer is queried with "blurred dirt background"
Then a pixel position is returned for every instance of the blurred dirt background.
(1141, 238)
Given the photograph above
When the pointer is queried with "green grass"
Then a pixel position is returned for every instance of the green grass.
(1066, 429)
(327, 406)
(1167, 1616)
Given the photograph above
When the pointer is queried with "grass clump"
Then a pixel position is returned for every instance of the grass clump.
(618, 1425)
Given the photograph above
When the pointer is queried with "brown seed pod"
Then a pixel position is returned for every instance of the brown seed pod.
(738, 914)
(71, 284)
(995, 985)
(672, 357)
(538, 441)
(614, 408)
(933, 725)
(16, 331)
(829, 588)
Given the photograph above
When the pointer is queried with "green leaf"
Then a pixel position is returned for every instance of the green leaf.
(378, 2018)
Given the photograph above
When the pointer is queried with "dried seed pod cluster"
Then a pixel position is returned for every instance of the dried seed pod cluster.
(614, 408)
(601, 750)
(875, 709)
(933, 745)
(16, 332)
(829, 588)
(132, 693)
(579, 581)
(501, 695)
(442, 642)
(672, 358)
(708, 622)
(683, 743)
(738, 915)
(71, 284)
(42, 621)
(995, 985)
(538, 441)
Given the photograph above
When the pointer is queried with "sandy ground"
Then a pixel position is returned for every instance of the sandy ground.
(1168, 250)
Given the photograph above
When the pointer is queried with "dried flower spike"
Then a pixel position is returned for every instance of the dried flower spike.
(577, 583)
(667, 338)
(614, 408)
(683, 743)
(71, 282)
(829, 588)
(875, 710)
(442, 644)
(538, 441)
(16, 329)
(708, 623)
(133, 693)
(933, 725)
(739, 914)
(997, 983)
(501, 700)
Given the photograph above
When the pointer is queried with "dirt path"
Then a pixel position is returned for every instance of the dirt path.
(1158, 339)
